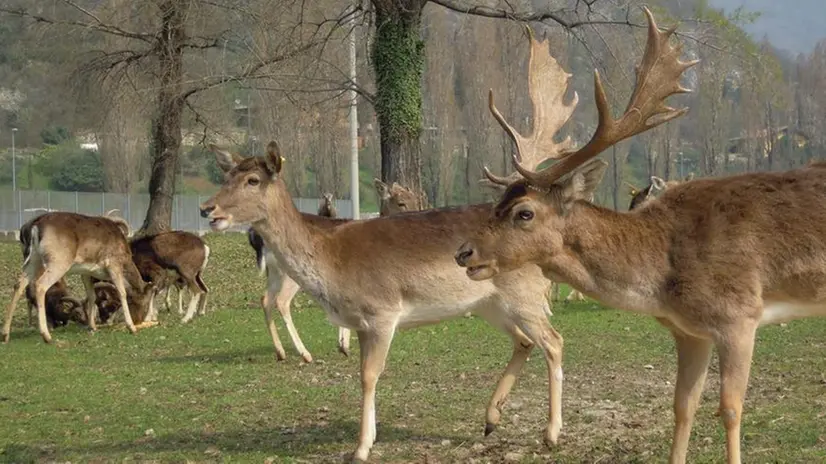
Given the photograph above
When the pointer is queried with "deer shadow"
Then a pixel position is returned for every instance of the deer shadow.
(315, 441)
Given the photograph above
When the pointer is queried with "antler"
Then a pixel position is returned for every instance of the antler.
(658, 77)
(547, 84)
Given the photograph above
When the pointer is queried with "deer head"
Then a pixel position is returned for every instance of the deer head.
(251, 184)
(395, 198)
(528, 223)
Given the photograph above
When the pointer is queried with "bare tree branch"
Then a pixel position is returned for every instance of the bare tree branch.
(96, 25)
(555, 16)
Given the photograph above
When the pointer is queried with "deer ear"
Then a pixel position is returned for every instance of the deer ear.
(584, 181)
(657, 182)
(274, 159)
(226, 160)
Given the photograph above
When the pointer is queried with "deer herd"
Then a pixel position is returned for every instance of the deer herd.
(711, 259)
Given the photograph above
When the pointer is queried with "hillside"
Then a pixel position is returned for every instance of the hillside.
(792, 26)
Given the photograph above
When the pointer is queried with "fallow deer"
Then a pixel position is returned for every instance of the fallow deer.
(68, 243)
(175, 258)
(281, 289)
(388, 273)
(395, 199)
(327, 208)
(640, 197)
(711, 259)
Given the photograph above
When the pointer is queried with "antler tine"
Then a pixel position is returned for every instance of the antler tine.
(547, 84)
(658, 77)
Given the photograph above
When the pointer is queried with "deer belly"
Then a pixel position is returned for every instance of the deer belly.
(775, 312)
(93, 270)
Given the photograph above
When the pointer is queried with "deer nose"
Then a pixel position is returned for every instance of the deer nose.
(205, 210)
(464, 253)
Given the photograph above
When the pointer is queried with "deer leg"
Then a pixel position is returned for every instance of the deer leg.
(180, 300)
(168, 298)
(266, 301)
(202, 303)
(283, 299)
(90, 305)
(735, 348)
(344, 341)
(22, 283)
(51, 274)
(374, 348)
(193, 305)
(693, 356)
(522, 347)
(549, 341)
(117, 279)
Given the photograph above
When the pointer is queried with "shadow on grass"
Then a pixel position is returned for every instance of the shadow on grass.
(333, 441)
(229, 357)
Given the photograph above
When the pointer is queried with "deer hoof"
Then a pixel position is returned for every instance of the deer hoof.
(5, 338)
(344, 351)
(489, 428)
(307, 357)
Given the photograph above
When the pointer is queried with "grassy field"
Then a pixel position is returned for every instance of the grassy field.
(211, 391)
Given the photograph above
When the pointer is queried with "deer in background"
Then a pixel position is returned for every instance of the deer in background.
(59, 244)
(394, 198)
(175, 258)
(327, 208)
(640, 197)
(281, 289)
(388, 273)
(712, 259)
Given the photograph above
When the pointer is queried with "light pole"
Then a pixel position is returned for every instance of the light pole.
(13, 164)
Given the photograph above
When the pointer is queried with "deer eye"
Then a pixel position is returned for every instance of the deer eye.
(525, 215)
(253, 181)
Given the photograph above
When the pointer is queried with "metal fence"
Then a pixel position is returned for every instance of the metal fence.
(17, 207)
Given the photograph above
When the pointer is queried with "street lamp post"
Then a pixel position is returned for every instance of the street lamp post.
(13, 164)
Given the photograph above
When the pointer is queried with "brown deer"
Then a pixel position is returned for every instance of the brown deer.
(68, 243)
(60, 306)
(640, 197)
(711, 259)
(175, 258)
(394, 199)
(327, 208)
(388, 273)
(281, 289)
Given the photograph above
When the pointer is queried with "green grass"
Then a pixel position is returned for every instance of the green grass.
(211, 391)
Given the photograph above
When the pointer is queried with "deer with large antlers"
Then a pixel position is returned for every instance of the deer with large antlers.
(380, 275)
(711, 259)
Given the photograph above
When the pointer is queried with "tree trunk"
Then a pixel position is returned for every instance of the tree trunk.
(398, 61)
(166, 130)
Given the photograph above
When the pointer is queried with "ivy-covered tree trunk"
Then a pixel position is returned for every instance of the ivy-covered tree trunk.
(398, 60)
(166, 129)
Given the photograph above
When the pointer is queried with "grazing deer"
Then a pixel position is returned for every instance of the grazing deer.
(281, 289)
(59, 244)
(60, 306)
(384, 274)
(711, 259)
(173, 258)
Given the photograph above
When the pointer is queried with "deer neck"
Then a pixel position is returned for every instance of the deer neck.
(133, 277)
(621, 260)
(295, 243)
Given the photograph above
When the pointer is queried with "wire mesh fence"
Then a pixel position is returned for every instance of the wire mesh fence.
(17, 207)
